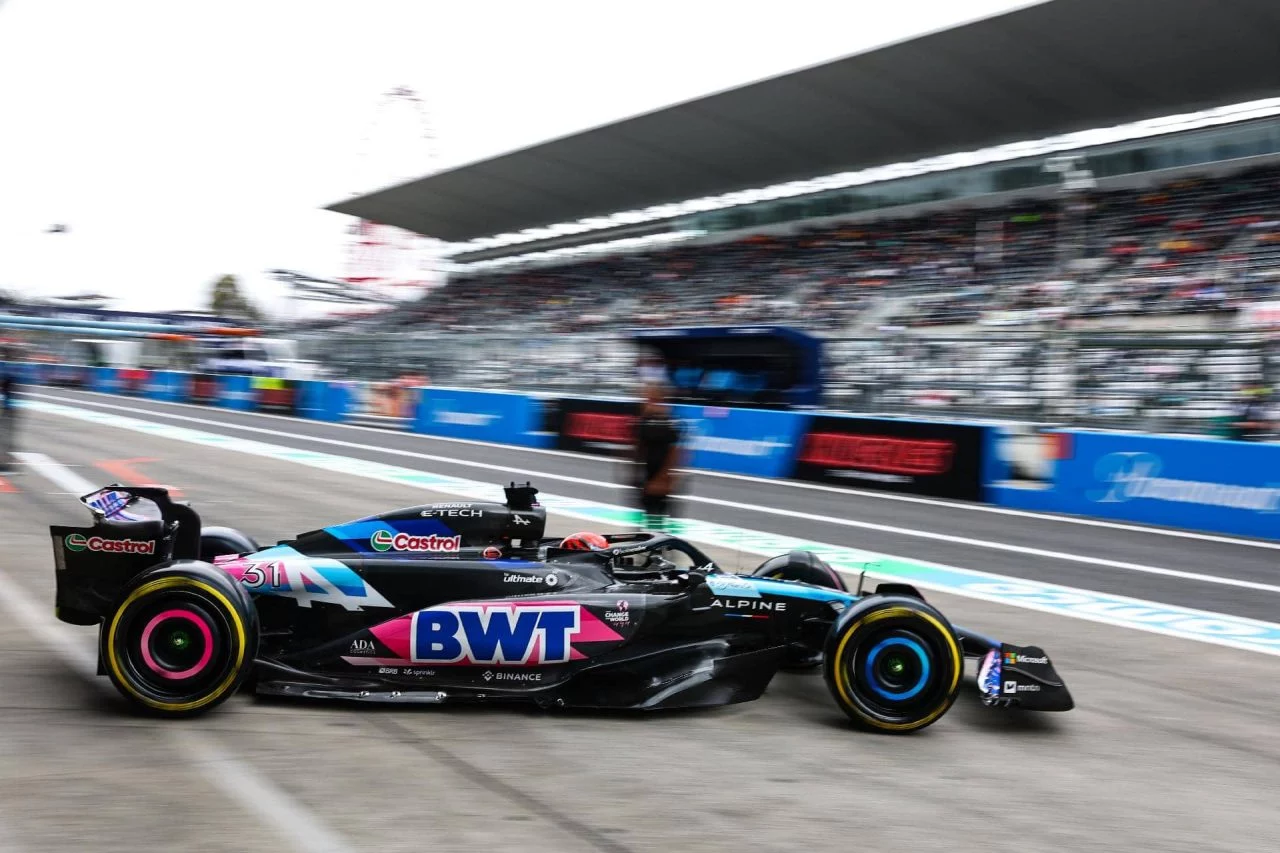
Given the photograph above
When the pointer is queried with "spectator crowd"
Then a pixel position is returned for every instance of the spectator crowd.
(1198, 245)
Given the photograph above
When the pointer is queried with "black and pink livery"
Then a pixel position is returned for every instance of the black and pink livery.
(469, 601)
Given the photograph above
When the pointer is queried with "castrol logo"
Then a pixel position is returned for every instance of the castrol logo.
(383, 540)
(79, 542)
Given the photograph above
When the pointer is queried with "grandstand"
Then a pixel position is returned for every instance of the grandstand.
(980, 283)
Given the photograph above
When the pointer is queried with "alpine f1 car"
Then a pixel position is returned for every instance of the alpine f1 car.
(470, 602)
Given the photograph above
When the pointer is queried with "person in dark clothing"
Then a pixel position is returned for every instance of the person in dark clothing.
(657, 457)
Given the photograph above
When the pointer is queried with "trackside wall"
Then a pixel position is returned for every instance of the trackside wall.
(1201, 484)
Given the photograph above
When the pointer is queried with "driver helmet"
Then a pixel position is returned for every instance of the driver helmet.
(585, 541)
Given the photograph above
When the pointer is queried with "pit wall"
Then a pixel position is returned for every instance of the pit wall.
(1193, 483)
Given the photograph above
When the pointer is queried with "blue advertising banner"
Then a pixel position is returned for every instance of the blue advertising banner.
(236, 392)
(168, 386)
(323, 401)
(757, 442)
(1200, 484)
(482, 416)
(104, 380)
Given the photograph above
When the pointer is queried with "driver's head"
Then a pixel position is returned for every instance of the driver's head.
(585, 541)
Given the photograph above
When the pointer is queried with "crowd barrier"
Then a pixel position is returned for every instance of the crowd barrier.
(1192, 483)
(1204, 484)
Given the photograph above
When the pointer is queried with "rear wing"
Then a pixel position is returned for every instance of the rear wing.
(94, 564)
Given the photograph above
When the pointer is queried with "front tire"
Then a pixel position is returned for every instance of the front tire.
(182, 639)
(893, 664)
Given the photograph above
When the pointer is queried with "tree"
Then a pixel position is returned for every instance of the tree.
(227, 299)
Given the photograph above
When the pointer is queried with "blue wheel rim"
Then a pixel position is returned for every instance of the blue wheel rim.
(902, 695)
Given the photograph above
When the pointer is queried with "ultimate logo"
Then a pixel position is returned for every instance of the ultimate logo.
(79, 542)
(383, 540)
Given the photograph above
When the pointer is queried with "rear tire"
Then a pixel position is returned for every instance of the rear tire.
(893, 664)
(182, 639)
(224, 541)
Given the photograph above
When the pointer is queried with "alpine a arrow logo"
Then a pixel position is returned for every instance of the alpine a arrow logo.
(79, 542)
(383, 540)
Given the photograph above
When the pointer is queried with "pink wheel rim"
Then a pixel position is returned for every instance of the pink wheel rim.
(186, 616)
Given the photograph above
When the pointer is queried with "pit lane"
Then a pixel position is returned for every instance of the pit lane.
(1172, 744)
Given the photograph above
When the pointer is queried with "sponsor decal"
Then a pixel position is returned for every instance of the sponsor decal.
(453, 513)
(552, 579)
(1028, 688)
(79, 542)
(1012, 657)
(729, 584)
(633, 549)
(490, 675)
(384, 540)
(512, 577)
(1133, 476)
(493, 552)
(1011, 687)
(620, 615)
(388, 670)
(509, 633)
(520, 521)
(748, 604)
(362, 647)
(418, 673)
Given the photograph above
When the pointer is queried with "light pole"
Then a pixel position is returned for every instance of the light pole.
(1074, 179)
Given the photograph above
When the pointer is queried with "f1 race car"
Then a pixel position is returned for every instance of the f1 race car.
(471, 602)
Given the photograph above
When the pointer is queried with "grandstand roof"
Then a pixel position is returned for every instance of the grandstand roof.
(1057, 67)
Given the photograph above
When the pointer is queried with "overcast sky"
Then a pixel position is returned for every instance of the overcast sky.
(181, 140)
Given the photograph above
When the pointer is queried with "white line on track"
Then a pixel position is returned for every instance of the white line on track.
(790, 484)
(910, 532)
(301, 828)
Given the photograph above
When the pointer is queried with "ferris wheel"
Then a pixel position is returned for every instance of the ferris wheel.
(399, 144)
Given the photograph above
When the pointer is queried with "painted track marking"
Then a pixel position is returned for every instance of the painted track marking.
(1122, 611)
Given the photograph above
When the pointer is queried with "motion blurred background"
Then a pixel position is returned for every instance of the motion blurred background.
(1068, 212)
(982, 297)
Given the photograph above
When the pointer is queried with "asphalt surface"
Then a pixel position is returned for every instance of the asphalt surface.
(1172, 745)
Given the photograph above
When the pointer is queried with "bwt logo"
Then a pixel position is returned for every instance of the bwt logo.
(79, 542)
(383, 540)
(476, 634)
(1134, 474)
